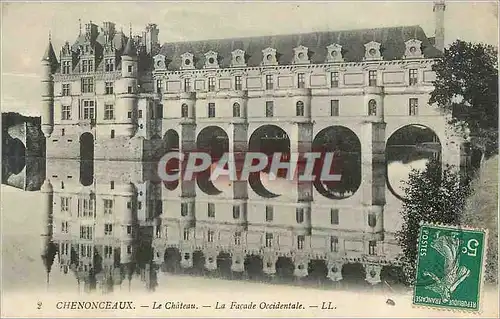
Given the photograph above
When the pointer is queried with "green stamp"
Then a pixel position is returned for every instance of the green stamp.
(449, 267)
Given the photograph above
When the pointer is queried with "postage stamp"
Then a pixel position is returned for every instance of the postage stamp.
(450, 266)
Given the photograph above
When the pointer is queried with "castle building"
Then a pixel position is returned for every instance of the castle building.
(127, 99)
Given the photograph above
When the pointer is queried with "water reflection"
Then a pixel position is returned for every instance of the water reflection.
(127, 226)
(410, 147)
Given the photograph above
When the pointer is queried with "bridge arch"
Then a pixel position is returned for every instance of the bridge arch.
(86, 159)
(170, 143)
(411, 146)
(346, 146)
(214, 141)
(267, 139)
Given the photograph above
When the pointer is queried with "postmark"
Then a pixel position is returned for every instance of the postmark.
(450, 267)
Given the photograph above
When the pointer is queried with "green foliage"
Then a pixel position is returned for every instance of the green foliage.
(433, 195)
(467, 85)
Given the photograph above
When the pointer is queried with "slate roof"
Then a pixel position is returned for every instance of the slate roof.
(392, 41)
(49, 54)
(130, 49)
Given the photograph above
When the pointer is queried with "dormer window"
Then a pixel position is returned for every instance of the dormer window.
(187, 61)
(211, 61)
(334, 53)
(372, 51)
(238, 58)
(159, 61)
(301, 55)
(87, 66)
(269, 57)
(66, 67)
(413, 49)
(109, 64)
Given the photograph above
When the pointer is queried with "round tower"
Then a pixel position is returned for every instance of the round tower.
(47, 210)
(49, 64)
(127, 98)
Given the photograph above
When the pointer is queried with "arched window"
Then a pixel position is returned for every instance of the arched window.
(236, 110)
(299, 215)
(236, 212)
(184, 110)
(372, 108)
(300, 108)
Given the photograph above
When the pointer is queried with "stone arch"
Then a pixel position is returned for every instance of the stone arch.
(409, 146)
(214, 141)
(16, 152)
(86, 159)
(317, 270)
(267, 139)
(254, 266)
(198, 261)
(285, 268)
(224, 262)
(170, 143)
(346, 146)
(172, 259)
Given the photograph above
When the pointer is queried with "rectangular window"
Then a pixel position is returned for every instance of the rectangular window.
(334, 79)
(269, 240)
(129, 68)
(140, 114)
(211, 84)
(86, 232)
(64, 227)
(108, 251)
(372, 247)
(269, 82)
(186, 234)
(269, 213)
(334, 216)
(129, 90)
(87, 85)
(65, 204)
(334, 244)
(372, 78)
(211, 109)
(66, 112)
(299, 215)
(129, 249)
(300, 242)
(88, 110)
(301, 80)
(66, 89)
(237, 238)
(210, 236)
(413, 106)
(269, 108)
(109, 112)
(334, 108)
(129, 230)
(211, 210)
(159, 86)
(109, 65)
(88, 207)
(413, 77)
(87, 66)
(187, 85)
(108, 87)
(66, 67)
(108, 207)
(299, 108)
(238, 83)
(108, 229)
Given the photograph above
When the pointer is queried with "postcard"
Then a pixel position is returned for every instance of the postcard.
(249, 159)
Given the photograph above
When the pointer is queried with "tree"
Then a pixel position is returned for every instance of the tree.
(434, 195)
(467, 85)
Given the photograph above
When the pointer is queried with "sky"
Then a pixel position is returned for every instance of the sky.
(26, 26)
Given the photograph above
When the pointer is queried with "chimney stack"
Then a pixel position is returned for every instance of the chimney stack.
(439, 7)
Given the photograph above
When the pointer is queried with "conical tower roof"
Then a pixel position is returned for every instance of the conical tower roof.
(130, 49)
(49, 54)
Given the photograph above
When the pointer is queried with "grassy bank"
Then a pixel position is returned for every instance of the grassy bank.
(482, 211)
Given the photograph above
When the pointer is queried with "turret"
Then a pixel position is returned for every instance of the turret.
(127, 98)
(49, 66)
